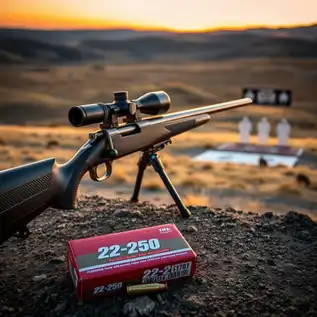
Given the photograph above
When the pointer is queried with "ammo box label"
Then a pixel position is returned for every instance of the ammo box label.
(125, 254)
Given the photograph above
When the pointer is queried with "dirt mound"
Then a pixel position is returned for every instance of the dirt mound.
(248, 265)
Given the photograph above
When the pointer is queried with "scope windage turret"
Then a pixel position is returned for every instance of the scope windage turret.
(152, 103)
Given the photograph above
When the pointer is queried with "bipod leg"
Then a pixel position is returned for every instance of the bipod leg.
(159, 168)
(142, 164)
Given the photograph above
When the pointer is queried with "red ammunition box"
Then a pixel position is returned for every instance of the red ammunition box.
(105, 265)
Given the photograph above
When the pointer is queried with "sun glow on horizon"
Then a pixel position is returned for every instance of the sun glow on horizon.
(172, 15)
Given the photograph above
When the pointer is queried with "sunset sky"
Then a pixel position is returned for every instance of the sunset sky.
(169, 14)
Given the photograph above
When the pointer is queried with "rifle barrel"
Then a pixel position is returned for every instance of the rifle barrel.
(189, 113)
(211, 108)
(202, 110)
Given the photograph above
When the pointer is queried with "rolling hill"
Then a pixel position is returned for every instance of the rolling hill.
(221, 47)
(27, 46)
(73, 37)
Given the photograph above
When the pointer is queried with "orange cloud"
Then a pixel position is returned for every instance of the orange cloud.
(168, 14)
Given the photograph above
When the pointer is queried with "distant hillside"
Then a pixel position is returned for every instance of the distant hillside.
(26, 46)
(222, 47)
(25, 50)
(302, 32)
(73, 37)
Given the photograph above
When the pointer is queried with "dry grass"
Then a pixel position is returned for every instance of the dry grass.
(153, 184)
(26, 144)
(120, 177)
(196, 180)
(196, 200)
(289, 188)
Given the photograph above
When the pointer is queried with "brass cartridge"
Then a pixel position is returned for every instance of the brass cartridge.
(146, 288)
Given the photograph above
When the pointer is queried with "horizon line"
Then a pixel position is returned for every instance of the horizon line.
(165, 29)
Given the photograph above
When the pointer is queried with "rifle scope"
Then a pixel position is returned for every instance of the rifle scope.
(152, 103)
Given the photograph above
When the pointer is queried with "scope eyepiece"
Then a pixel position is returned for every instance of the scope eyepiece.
(87, 114)
(152, 103)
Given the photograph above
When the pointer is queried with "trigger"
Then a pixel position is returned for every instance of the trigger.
(94, 175)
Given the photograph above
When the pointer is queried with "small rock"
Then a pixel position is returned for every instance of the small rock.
(78, 215)
(202, 252)
(160, 299)
(249, 266)
(267, 227)
(230, 209)
(164, 313)
(230, 280)
(193, 301)
(290, 266)
(245, 256)
(270, 262)
(191, 229)
(120, 213)
(200, 280)
(304, 235)
(248, 295)
(58, 260)
(142, 305)
(47, 299)
(244, 224)
(49, 252)
(268, 215)
(61, 226)
(137, 213)
(228, 240)
(111, 224)
(60, 308)
(293, 217)
(7, 309)
(39, 278)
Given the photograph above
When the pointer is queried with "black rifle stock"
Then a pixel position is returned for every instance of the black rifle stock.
(28, 190)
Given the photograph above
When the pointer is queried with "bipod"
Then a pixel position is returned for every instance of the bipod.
(150, 157)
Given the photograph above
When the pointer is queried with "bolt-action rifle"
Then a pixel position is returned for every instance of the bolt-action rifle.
(28, 190)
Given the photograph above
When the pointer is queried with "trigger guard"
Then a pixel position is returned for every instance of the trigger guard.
(94, 176)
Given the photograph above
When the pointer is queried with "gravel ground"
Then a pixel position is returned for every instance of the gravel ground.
(248, 265)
